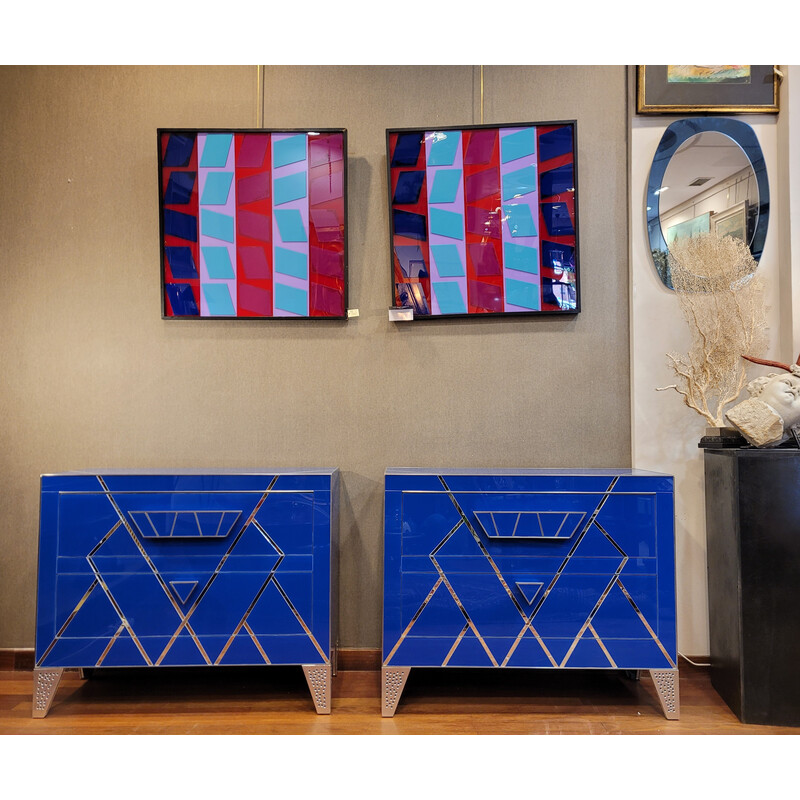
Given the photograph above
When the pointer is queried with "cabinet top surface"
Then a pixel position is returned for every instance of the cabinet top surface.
(147, 472)
(524, 471)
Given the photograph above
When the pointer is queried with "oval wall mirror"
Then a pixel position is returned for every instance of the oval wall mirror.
(708, 174)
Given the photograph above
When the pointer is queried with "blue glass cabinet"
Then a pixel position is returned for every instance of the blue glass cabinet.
(186, 568)
(548, 569)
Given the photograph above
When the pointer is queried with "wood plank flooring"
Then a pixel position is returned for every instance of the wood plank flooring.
(276, 700)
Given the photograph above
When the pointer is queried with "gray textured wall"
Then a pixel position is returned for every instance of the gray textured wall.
(93, 378)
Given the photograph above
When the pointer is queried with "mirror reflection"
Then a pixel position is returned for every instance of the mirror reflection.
(708, 175)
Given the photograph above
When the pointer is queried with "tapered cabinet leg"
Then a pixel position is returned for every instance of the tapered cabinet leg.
(45, 683)
(318, 677)
(666, 683)
(393, 681)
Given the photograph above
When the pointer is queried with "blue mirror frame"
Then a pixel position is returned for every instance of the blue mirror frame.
(674, 136)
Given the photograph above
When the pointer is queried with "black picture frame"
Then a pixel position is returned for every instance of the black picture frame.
(483, 220)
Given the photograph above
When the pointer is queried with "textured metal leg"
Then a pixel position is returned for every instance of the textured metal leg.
(393, 680)
(666, 682)
(318, 677)
(45, 683)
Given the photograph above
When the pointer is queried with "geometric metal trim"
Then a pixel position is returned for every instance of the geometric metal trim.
(393, 681)
(318, 677)
(667, 688)
(45, 683)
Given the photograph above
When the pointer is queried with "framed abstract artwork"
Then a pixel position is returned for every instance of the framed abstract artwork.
(484, 219)
(253, 223)
(707, 89)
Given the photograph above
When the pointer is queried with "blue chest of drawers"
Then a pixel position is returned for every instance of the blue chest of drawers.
(160, 569)
(529, 568)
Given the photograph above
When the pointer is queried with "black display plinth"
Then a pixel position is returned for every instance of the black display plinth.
(753, 530)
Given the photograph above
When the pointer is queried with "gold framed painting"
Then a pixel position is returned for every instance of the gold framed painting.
(707, 89)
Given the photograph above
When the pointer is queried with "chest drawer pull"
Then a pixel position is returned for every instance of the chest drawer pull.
(184, 524)
(530, 524)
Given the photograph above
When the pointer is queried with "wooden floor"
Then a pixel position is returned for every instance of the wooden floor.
(276, 700)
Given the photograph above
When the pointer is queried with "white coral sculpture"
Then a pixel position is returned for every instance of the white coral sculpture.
(722, 300)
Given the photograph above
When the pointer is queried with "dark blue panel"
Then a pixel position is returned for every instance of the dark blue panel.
(556, 181)
(299, 588)
(75, 653)
(226, 601)
(588, 653)
(557, 219)
(617, 618)
(637, 654)
(273, 614)
(185, 653)
(179, 188)
(427, 519)
(180, 225)
(558, 256)
(529, 653)
(406, 151)
(96, 616)
(630, 521)
(83, 521)
(242, 651)
(182, 300)
(181, 263)
(488, 604)
(422, 651)
(644, 482)
(555, 143)
(569, 604)
(440, 616)
(408, 186)
(144, 604)
(411, 225)
(470, 653)
(179, 149)
(124, 653)
(288, 521)
(290, 650)
(529, 481)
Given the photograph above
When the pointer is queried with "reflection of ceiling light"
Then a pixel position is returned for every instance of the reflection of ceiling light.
(648, 208)
(662, 189)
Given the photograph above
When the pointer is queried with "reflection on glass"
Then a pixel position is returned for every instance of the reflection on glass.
(708, 175)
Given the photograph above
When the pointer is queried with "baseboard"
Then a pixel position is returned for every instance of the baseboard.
(16, 658)
(359, 659)
(350, 658)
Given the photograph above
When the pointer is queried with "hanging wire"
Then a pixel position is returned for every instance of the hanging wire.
(481, 94)
(260, 97)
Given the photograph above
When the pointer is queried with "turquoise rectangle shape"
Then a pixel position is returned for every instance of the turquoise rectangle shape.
(216, 150)
(522, 294)
(446, 223)
(216, 189)
(448, 260)
(521, 258)
(444, 147)
(446, 183)
(449, 297)
(518, 145)
(520, 182)
(519, 219)
(218, 300)
(289, 150)
(289, 187)
(216, 225)
(289, 298)
(290, 262)
(218, 263)
(290, 225)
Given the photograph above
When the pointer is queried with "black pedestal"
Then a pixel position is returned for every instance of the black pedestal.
(753, 531)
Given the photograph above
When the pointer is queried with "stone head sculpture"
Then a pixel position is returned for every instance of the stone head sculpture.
(767, 417)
